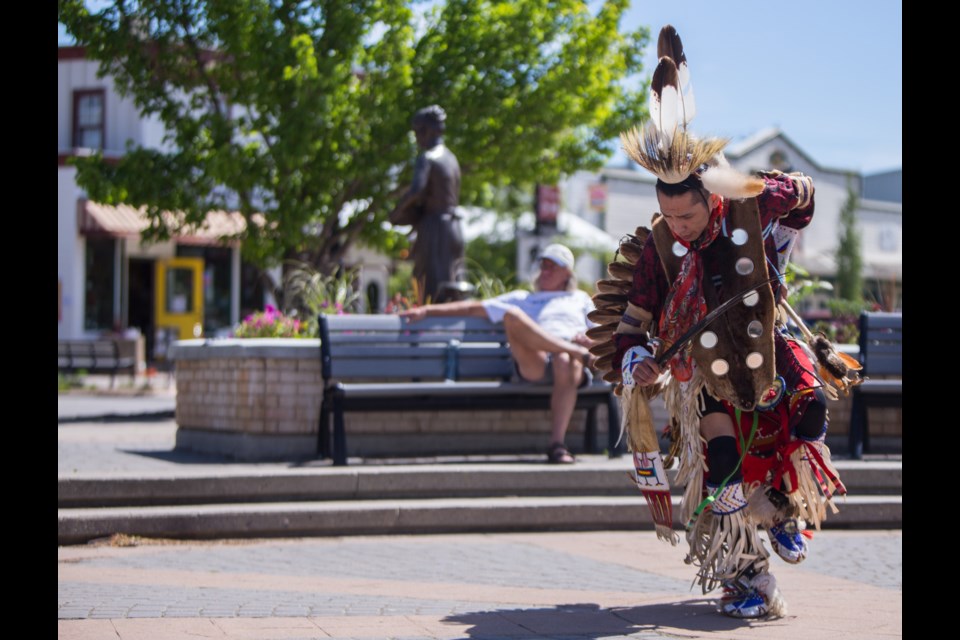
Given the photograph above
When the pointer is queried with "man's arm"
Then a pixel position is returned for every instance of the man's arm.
(642, 314)
(787, 197)
(469, 308)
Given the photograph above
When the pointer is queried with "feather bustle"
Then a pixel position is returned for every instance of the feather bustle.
(631, 252)
(613, 286)
(602, 332)
(602, 316)
(620, 271)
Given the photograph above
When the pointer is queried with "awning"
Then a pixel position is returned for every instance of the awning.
(122, 221)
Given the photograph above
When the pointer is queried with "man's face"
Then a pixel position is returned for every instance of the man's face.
(686, 215)
(552, 277)
(426, 133)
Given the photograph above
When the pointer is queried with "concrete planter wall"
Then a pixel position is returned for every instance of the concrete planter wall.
(253, 399)
(259, 400)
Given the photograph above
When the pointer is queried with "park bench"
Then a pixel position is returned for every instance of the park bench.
(385, 363)
(881, 354)
(94, 356)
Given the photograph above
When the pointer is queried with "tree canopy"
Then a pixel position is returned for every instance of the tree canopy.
(297, 114)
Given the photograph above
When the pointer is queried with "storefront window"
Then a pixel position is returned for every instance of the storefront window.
(179, 288)
(98, 311)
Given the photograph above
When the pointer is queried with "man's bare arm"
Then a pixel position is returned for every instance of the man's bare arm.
(469, 308)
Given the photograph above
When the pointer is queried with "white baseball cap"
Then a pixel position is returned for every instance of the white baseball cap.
(558, 254)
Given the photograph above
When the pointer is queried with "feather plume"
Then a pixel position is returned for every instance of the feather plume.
(669, 45)
(836, 363)
(730, 183)
(838, 371)
(665, 97)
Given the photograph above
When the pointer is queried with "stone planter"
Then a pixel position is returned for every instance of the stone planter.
(251, 399)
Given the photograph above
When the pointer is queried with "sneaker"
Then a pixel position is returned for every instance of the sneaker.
(742, 602)
(788, 541)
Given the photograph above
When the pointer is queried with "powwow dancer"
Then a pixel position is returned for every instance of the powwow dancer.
(691, 312)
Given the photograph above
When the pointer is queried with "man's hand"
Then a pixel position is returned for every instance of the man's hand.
(414, 315)
(646, 372)
(582, 340)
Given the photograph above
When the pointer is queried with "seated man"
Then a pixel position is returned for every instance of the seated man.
(545, 330)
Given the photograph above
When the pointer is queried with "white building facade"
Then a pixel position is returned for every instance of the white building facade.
(106, 275)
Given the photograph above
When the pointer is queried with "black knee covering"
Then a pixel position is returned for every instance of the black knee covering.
(722, 458)
(813, 421)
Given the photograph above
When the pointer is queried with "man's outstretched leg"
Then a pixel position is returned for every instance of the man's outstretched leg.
(530, 346)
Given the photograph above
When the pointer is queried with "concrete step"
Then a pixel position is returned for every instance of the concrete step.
(597, 476)
(375, 517)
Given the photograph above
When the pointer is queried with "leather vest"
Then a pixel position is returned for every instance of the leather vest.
(735, 352)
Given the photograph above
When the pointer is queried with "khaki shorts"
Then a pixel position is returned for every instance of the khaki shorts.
(548, 374)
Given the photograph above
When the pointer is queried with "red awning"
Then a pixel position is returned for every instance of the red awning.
(125, 221)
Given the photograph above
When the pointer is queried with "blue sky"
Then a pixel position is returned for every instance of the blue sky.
(828, 73)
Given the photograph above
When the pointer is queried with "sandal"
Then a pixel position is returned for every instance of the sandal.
(559, 454)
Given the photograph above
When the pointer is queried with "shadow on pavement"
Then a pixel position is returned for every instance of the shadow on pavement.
(591, 621)
(182, 457)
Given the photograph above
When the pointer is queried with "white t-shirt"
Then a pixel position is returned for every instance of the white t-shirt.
(560, 313)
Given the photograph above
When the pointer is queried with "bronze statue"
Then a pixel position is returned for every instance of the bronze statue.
(430, 206)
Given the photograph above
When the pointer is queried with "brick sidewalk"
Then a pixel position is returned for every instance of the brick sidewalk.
(548, 585)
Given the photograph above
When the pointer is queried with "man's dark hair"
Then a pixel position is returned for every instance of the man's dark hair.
(432, 115)
(692, 183)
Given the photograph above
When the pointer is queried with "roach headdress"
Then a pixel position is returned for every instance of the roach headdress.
(665, 147)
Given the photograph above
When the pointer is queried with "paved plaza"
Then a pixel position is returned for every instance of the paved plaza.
(531, 585)
(550, 585)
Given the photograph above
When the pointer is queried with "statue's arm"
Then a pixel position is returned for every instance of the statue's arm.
(402, 214)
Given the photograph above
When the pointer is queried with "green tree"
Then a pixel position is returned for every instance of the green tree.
(297, 114)
(849, 258)
(492, 261)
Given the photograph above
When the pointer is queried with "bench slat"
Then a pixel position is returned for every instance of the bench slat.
(882, 386)
(388, 323)
(371, 369)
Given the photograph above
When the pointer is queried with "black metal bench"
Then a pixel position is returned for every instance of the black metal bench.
(94, 356)
(384, 363)
(881, 353)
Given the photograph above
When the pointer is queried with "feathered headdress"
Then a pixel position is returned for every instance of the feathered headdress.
(665, 147)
